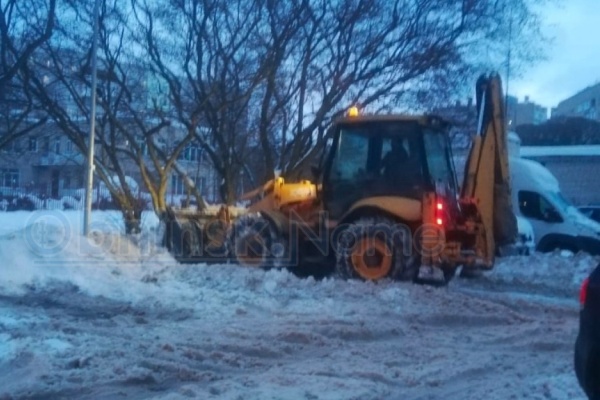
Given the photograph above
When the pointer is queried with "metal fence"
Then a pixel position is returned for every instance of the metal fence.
(29, 199)
(14, 199)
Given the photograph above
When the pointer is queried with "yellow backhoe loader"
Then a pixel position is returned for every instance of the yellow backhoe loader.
(385, 203)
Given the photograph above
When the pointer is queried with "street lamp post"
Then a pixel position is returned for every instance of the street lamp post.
(90, 157)
(508, 58)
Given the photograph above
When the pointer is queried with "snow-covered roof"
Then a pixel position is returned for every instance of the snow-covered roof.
(541, 151)
(531, 175)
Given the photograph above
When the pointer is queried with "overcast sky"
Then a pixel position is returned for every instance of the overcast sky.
(573, 59)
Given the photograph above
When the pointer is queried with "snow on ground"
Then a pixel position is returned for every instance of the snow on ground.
(117, 317)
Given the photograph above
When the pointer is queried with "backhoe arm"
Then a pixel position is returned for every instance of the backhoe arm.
(486, 183)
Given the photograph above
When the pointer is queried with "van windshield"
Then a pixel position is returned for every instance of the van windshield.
(565, 205)
(561, 202)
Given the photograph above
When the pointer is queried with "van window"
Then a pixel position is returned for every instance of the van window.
(533, 205)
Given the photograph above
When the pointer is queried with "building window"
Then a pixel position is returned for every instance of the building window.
(57, 145)
(46, 144)
(177, 186)
(69, 147)
(190, 153)
(200, 183)
(142, 146)
(33, 144)
(10, 146)
(9, 177)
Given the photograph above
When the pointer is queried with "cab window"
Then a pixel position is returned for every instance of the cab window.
(351, 157)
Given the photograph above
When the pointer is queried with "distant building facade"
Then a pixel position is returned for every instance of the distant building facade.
(585, 103)
(463, 117)
(45, 163)
(41, 163)
(575, 167)
(526, 112)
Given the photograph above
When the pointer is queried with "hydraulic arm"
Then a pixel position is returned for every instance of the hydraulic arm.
(486, 184)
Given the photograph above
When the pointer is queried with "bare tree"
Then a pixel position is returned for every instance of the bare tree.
(211, 70)
(378, 54)
(265, 78)
(24, 26)
(134, 130)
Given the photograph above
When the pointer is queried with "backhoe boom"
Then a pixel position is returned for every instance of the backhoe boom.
(486, 183)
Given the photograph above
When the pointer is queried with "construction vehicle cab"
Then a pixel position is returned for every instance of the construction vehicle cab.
(379, 157)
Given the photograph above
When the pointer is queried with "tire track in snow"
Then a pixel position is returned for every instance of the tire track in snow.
(390, 341)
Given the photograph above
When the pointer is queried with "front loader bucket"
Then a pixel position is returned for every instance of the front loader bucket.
(195, 237)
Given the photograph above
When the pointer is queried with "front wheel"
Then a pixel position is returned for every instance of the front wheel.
(255, 242)
(373, 249)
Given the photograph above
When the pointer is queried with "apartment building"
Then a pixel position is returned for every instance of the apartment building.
(585, 103)
(45, 163)
(525, 112)
(575, 168)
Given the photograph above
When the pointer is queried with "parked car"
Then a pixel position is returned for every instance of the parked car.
(587, 346)
(592, 212)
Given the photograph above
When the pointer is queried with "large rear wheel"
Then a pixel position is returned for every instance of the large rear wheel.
(377, 248)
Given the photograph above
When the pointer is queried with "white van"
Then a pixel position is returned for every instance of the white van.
(556, 223)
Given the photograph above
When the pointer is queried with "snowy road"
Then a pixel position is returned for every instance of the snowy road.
(109, 325)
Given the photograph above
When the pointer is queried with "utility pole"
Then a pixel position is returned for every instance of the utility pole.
(92, 137)
(510, 23)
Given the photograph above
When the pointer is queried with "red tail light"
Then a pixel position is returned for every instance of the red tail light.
(439, 213)
(584, 291)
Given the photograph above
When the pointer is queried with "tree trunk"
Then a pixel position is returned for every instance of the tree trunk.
(132, 218)
(228, 189)
(160, 205)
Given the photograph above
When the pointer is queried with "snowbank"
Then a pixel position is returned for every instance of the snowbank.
(46, 246)
(560, 271)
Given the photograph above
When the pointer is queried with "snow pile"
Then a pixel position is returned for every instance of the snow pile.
(562, 269)
(49, 248)
(554, 274)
